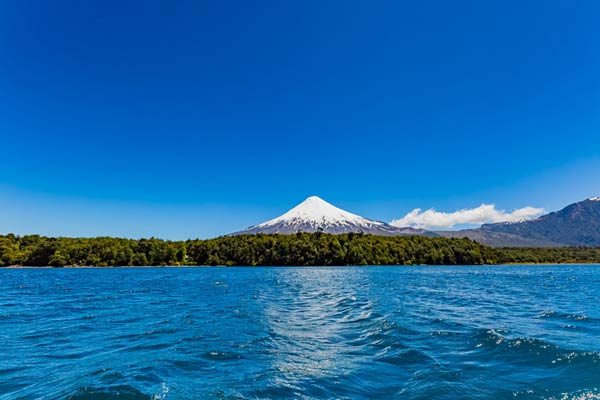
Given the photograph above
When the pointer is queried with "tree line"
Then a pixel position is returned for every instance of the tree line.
(274, 250)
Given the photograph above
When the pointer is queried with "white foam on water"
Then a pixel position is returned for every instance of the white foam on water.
(162, 393)
(581, 395)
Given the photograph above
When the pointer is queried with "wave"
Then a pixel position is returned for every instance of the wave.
(564, 316)
(124, 392)
(524, 349)
(216, 355)
(120, 391)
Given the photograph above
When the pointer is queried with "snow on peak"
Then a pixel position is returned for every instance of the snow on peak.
(316, 215)
(594, 198)
(317, 211)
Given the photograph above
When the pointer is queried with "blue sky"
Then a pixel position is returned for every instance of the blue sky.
(199, 118)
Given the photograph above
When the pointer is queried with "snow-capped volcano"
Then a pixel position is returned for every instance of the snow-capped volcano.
(315, 214)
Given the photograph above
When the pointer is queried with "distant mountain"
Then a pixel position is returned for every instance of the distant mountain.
(315, 214)
(577, 224)
(498, 239)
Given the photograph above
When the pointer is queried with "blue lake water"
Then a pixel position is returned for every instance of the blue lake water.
(507, 332)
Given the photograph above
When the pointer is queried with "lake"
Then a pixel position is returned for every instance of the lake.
(472, 332)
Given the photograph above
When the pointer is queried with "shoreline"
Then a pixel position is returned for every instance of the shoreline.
(284, 266)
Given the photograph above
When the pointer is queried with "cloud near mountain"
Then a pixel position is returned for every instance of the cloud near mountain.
(484, 214)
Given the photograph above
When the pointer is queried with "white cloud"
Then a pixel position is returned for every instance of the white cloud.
(485, 213)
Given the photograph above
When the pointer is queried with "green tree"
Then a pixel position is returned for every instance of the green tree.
(57, 259)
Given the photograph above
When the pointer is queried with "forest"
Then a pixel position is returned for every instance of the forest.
(301, 249)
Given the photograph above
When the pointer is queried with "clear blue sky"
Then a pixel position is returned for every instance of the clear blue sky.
(198, 118)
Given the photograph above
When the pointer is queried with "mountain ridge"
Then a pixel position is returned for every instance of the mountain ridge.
(577, 224)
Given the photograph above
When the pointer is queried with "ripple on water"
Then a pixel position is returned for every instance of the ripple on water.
(564, 316)
(532, 351)
(106, 393)
(525, 332)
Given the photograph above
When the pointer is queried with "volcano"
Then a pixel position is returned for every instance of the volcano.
(316, 215)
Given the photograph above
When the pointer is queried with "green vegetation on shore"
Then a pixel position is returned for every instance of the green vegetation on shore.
(274, 250)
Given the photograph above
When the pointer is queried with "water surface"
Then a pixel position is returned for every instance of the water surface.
(503, 332)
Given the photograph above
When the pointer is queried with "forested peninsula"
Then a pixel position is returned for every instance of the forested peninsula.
(301, 249)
